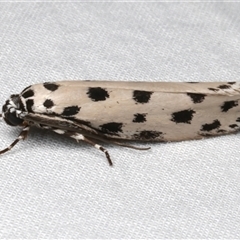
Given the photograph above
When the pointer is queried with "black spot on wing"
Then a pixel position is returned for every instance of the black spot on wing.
(224, 86)
(238, 119)
(51, 86)
(26, 89)
(211, 126)
(111, 128)
(233, 126)
(48, 103)
(141, 96)
(197, 97)
(29, 104)
(147, 135)
(231, 83)
(228, 105)
(221, 131)
(213, 89)
(184, 116)
(28, 93)
(139, 117)
(69, 111)
(22, 107)
(97, 94)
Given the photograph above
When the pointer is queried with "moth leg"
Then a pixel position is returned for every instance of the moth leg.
(21, 136)
(78, 136)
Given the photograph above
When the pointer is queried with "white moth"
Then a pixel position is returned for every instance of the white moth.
(105, 111)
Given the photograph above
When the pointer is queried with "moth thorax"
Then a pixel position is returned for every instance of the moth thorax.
(11, 110)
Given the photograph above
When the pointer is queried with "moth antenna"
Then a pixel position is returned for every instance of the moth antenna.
(21, 136)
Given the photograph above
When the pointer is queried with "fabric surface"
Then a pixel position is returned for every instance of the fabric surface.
(52, 187)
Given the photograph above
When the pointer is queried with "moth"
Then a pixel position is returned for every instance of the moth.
(112, 111)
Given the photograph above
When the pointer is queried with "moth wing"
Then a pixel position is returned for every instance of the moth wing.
(141, 110)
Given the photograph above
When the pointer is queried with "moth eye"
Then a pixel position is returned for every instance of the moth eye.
(10, 114)
(11, 119)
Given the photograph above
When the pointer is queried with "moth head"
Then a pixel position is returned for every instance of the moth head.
(11, 111)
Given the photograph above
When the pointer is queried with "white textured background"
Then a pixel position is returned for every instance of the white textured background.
(52, 187)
